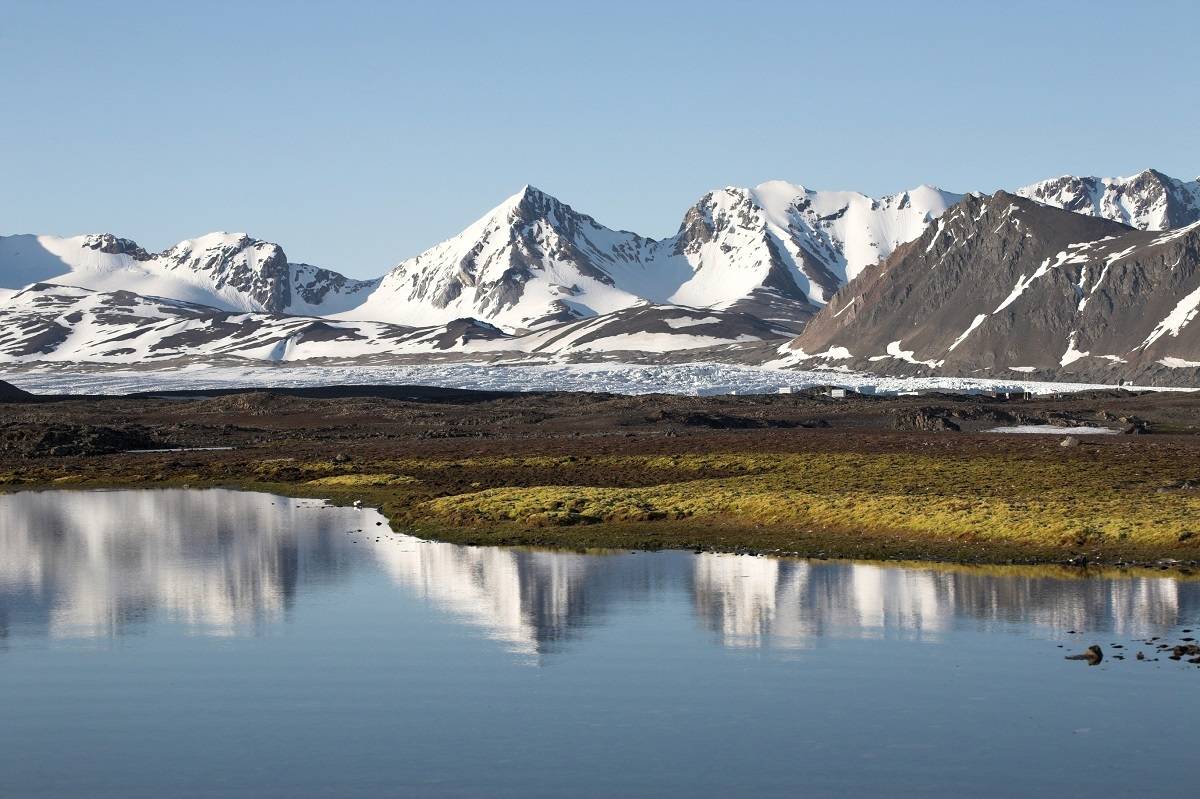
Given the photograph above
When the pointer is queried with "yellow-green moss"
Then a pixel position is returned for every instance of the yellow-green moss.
(1067, 504)
(362, 480)
(976, 506)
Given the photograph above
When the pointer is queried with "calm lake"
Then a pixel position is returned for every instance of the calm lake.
(216, 643)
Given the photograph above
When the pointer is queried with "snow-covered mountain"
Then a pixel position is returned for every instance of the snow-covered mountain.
(799, 243)
(48, 322)
(54, 323)
(528, 262)
(224, 270)
(649, 328)
(901, 282)
(778, 250)
(1148, 200)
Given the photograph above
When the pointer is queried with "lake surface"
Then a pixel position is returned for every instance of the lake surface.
(217, 643)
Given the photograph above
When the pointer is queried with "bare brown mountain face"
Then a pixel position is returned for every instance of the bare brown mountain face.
(1003, 286)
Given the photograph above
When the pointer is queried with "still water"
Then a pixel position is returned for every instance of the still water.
(218, 643)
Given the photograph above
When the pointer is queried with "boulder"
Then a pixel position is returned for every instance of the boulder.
(1093, 655)
(933, 420)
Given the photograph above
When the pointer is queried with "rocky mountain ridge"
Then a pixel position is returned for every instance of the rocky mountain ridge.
(230, 271)
(1148, 200)
(908, 282)
(49, 323)
(1005, 285)
(777, 250)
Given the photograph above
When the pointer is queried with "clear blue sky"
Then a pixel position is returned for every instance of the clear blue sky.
(358, 133)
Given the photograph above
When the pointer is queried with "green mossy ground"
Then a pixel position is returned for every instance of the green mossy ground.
(983, 507)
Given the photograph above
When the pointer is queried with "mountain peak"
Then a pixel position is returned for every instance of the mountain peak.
(115, 245)
(526, 195)
(529, 204)
(1151, 172)
(1149, 200)
(1146, 176)
(216, 239)
(523, 193)
(531, 191)
(926, 189)
(778, 187)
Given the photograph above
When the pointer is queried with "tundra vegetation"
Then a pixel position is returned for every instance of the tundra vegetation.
(786, 475)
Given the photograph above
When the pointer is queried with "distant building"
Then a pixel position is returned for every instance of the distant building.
(1012, 394)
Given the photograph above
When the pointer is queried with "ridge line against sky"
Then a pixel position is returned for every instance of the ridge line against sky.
(358, 135)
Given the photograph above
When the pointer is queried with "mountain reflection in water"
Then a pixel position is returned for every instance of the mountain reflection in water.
(92, 564)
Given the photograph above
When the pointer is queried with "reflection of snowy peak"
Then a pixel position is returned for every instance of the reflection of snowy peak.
(226, 562)
(528, 600)
(225, 270)
(118, 561)
(1148, 200)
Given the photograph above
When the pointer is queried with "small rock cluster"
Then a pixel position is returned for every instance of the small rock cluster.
(1188, 650)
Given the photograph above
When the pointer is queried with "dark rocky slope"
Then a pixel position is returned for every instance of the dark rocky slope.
(1007, 286)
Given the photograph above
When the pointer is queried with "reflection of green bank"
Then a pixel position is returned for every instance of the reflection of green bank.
(986, 508)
